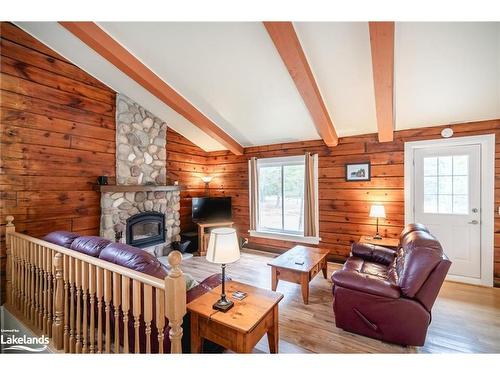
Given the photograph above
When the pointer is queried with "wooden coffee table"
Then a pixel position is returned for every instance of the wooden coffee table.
(240, 328)
(286, 267)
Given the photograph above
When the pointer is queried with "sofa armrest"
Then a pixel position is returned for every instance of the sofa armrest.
(363, 283)
(373, 253)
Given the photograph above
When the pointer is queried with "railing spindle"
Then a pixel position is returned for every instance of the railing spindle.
(78, 284)
(72, 330)
(107, 301)
(136, 311)
(100, 283)
(66, 270)
(40, 288)
(57, 328)
(160, 317)
(125, 310)
(24, 276)
(92, 289)
(50, 280)
(148, 314)
(85, 286)
(116, 305)
(9, 228)
(45, 291)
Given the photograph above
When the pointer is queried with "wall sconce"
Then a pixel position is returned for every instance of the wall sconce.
(206, 180)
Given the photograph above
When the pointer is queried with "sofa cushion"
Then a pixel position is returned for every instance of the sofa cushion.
(421, 253)
(61, 238)
(360, 265)
(365, 283)
(374, 253)
(89, 245)
(134, 259)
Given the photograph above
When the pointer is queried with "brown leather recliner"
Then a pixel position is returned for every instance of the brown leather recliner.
(388, 294)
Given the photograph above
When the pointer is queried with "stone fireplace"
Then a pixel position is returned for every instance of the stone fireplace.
(140, 209)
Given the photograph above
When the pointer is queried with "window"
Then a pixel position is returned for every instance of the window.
(281, 206)
(446, 184)
(281, 195)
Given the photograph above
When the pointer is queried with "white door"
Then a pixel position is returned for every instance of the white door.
(447, 186)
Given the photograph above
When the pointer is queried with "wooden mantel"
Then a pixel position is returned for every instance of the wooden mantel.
(128, 188)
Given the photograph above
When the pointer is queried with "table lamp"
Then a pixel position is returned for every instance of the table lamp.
(223, 248)
(377, 210)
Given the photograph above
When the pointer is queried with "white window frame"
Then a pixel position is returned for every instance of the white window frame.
(288, 235)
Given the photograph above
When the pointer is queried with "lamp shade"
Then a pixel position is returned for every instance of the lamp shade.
(223, 246)
(377, 210)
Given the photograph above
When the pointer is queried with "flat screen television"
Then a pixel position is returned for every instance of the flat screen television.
(211, 209)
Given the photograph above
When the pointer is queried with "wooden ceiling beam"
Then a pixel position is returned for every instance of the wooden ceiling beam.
(101, 42)
(288, 45)
(382, 47)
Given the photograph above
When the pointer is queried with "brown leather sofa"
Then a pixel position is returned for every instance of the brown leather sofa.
(387, 293)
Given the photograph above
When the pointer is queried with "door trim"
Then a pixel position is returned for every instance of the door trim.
(487, 143)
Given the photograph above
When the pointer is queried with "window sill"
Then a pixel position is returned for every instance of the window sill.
(285, 237)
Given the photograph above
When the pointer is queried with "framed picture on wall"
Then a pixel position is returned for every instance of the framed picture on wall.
(357, 172)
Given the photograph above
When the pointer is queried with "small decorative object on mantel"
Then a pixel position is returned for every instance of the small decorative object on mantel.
(102, 180)
(223, 248)
(357, 172)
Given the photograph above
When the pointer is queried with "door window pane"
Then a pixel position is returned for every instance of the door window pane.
(270, 202)
(293, 187)
(446, 184)
(430, 204)
(445, 205)
(460, 184)
(461, 165)
(430, 167)
(445, 166)
(430, 185)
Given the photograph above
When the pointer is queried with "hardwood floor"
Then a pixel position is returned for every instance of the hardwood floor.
(465, 319)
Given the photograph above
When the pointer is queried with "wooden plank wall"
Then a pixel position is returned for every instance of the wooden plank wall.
(186, 163)
(57, 127)
(344, 205)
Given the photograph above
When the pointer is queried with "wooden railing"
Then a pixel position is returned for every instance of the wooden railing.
(87, 305)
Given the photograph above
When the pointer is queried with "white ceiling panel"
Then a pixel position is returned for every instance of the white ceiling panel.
(230, 71)
(446, 73)
(340, 57)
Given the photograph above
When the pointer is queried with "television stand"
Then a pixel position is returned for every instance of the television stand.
(204, 233)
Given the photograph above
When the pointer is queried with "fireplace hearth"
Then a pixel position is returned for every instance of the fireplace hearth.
(146, 229)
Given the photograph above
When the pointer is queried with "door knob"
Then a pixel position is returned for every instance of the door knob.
(473, 222)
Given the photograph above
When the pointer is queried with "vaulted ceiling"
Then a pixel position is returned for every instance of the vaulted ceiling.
(236, 76)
